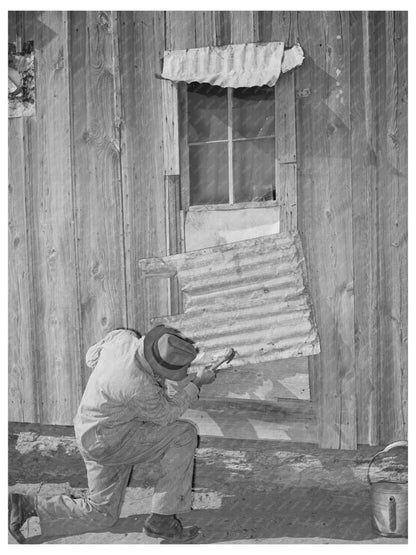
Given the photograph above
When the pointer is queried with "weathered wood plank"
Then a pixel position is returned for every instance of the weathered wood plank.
(56, 295)
(170, 127)
(208, 228)
(287, 195)
(265, 26)
(286, 168)
(267, 382)
(285, 119)
(97, 178)
(180, 30)
(205, 34)
(324, 216)
(22, 390)
(238, 420)
(183, 30)
(283, 408)
(243, 27)
(183, 145)
(284, 27)
(141, 46)
(402, 299)
(392, 180)
(174, 243)
(222, 28)
(365, 230)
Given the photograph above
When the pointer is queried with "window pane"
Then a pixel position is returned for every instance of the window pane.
(254, 170)
(207, 113)
(208, 174)
(253, 112)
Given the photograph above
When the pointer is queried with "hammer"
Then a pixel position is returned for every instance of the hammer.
(228, 357)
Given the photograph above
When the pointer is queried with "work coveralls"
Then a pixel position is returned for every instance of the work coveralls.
(125, 418)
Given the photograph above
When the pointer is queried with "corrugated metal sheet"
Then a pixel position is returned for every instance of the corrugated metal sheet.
(234, 65)
(249, 295)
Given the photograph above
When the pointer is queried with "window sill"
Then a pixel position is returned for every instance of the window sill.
(236, 206)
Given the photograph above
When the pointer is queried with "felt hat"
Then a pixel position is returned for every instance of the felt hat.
(167, 349)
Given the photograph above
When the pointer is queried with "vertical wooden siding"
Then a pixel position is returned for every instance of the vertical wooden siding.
(389, 60)
(325, 215)
(365, 230)
(22, 390)
(54, 316)
(96, 170)
(95, 200)
(141, 46)
(379, 180)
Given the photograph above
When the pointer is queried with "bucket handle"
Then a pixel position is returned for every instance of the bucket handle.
(400, 443)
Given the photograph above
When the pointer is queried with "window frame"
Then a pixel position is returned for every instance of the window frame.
(184, 152)
(176, 157)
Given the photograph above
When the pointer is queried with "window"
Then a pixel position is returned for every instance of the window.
(228, 144)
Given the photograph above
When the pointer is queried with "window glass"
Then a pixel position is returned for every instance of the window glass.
(251, 139)
(253, 112)
(208, 173)
(207, 113)
(253, 166)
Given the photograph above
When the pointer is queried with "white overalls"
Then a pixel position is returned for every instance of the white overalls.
(124, 419)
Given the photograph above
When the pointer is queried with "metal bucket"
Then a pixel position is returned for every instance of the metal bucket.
(389, 502)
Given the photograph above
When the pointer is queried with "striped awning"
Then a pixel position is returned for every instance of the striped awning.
(234, 65)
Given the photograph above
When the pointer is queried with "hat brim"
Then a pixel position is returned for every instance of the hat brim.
(149, 339)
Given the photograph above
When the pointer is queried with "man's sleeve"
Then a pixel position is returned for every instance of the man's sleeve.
(151, 405)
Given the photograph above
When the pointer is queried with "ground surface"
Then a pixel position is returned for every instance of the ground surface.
(245, 491)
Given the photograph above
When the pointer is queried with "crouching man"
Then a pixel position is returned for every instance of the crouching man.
(125, 418)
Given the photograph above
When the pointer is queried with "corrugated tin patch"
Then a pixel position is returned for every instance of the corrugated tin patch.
(234, 65)
(249, 295)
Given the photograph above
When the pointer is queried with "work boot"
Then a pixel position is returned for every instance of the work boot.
(21, 507)
(168, 527)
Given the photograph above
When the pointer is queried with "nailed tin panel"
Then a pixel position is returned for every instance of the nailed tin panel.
(248, 295)
(234, 65)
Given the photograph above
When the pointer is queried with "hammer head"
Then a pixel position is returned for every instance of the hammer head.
(230, 354)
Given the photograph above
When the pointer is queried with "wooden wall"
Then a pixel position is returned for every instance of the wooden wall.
(87, 200)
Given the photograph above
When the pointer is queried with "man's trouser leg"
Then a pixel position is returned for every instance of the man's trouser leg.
(173, 445)
(98, 510)
(173, 491)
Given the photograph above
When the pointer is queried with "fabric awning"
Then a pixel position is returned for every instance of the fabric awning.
(234, 65)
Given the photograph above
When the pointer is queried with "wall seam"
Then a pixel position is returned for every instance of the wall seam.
(29, 214)
(119, 131)
(74, 200)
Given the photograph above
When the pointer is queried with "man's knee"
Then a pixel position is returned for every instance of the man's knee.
(187, 433)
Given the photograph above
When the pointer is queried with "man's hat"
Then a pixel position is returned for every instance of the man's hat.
(167, 349)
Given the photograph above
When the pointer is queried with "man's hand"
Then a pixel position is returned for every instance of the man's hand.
(207, 376)
(173, 387)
